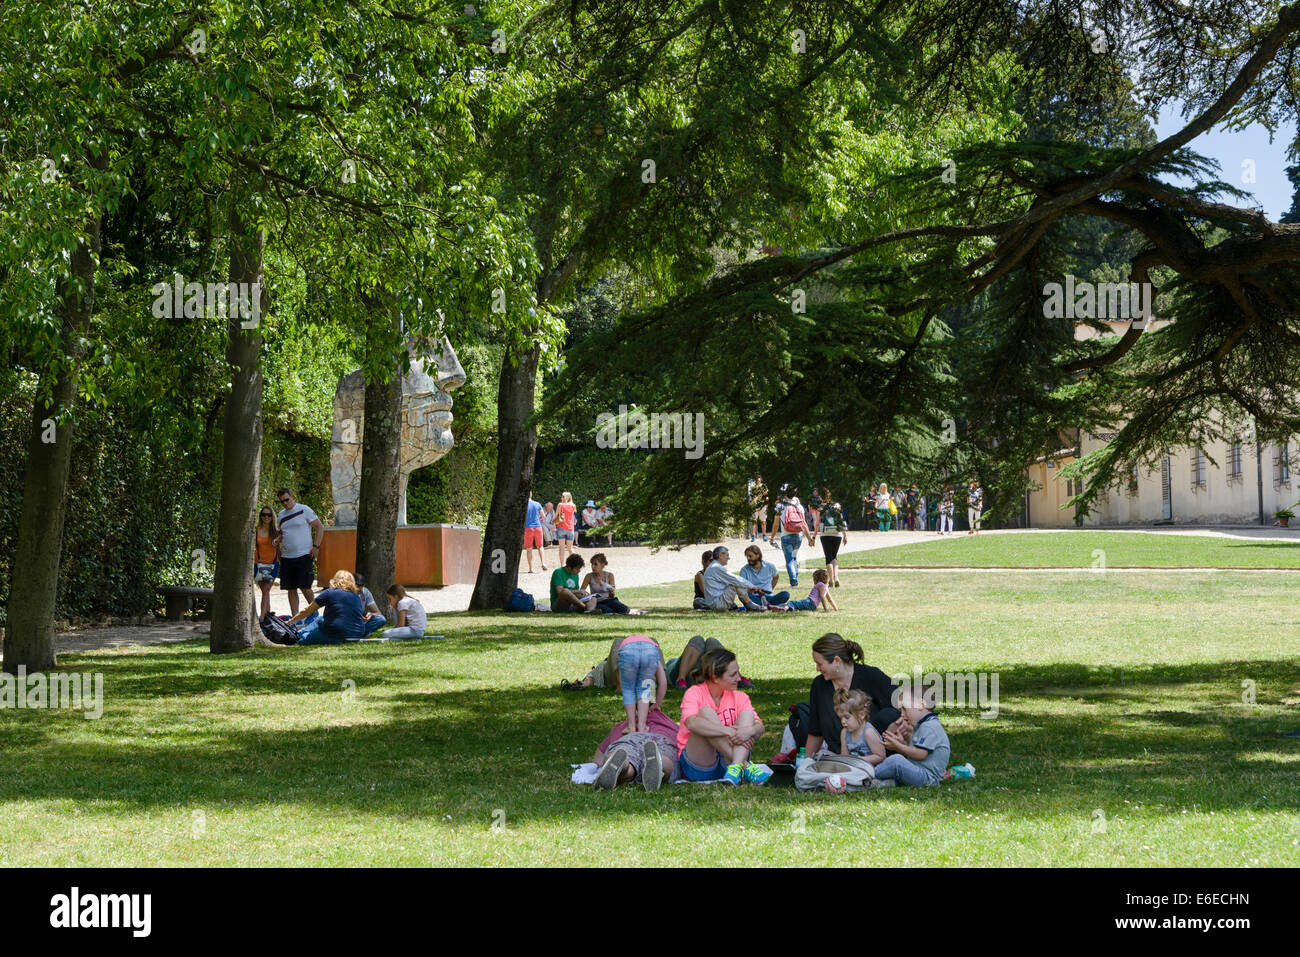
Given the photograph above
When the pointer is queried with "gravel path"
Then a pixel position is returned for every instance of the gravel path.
(635, 565)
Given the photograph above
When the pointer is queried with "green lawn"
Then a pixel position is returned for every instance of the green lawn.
(1120, 704)
(1075, 549)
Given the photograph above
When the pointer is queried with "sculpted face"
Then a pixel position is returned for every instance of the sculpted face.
(435, 372)
(427, 402)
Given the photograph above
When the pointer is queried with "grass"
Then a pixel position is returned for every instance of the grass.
(1078, 549)
(1121, 705)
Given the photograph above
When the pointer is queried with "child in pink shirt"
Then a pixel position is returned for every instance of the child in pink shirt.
(819, 596)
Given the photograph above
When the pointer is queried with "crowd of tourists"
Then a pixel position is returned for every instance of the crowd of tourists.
(564, 526)
(905, 507)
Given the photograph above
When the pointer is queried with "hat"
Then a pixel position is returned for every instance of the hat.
(590, 504)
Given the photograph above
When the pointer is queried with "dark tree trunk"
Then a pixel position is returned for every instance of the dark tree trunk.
(498, 570)
(234, 616)
(29, 639)
(381, 460)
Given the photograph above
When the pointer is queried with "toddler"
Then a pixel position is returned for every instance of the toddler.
(922, 761)
(857, 735)
(820, 596)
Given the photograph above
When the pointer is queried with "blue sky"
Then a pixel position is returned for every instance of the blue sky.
(1271, 188)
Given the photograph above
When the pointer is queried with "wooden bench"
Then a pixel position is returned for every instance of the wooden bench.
(181, 598)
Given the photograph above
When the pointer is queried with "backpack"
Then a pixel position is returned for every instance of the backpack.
(857, 772)
(792, 519)
(797, 726)
(520, 600)
(278, 630)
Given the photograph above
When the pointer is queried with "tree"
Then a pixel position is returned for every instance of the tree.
(63, 177)
(642, 143)
(1008, 223)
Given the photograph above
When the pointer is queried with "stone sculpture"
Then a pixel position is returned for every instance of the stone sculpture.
(426, 424)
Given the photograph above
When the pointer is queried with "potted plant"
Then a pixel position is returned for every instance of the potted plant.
(1283, 516)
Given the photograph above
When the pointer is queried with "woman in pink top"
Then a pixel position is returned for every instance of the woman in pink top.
(564, 526)
(719, 725)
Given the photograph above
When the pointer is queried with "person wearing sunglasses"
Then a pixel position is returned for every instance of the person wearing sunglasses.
(266, 557)
(301, 532)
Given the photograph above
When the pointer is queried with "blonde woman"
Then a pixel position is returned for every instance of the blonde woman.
(342, 615)
(564, 526)
(882, 507)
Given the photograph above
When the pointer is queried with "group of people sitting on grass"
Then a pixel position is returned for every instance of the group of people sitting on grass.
(717, 589)
(853, 708)
(347, 612)
(595, 594)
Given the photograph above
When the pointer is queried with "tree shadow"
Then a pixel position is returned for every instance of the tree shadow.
(1060, 742)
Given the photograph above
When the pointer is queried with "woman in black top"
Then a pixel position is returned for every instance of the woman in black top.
(839, 666)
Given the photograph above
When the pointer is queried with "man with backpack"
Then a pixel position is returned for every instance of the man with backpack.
(794, 528)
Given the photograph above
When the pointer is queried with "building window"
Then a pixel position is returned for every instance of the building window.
(1283, 465)
(1133, 481)
(1234, 458)
(1198, 469)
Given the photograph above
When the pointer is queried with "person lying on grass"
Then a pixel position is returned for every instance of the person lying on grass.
(719, 725)
(649, 756)
(920, 758)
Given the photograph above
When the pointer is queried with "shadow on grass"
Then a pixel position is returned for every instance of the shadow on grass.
(1068, 736)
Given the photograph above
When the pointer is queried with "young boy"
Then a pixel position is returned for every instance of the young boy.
(922, 761)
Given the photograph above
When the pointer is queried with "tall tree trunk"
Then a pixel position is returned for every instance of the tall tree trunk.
(29, 639)
(381, 460)
(498, 570)
(234, 617)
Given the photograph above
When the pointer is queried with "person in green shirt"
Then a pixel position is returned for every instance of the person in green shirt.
(564, 588)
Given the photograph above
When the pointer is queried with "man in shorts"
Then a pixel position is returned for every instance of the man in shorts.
(300, 536)
(533, 534)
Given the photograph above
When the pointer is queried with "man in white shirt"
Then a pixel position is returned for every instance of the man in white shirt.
(300, 537)
(604, 515)
(722, 589)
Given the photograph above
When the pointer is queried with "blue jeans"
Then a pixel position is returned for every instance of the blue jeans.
(776, 598)
(637, 665)
(790, 549)
(903, 770)
(316, 633)
(374, 624)
(803, 604)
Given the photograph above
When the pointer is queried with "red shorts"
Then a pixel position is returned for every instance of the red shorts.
(533, 538)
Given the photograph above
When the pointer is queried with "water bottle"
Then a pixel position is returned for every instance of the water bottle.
(801, 758)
